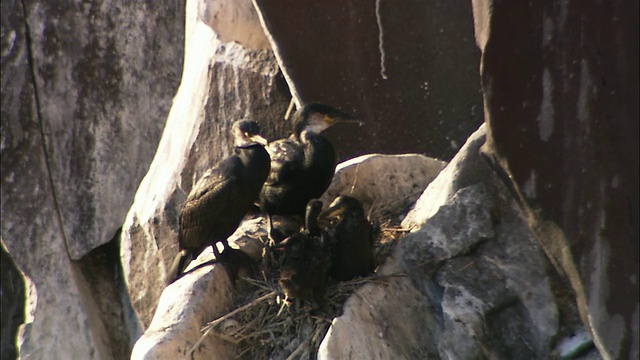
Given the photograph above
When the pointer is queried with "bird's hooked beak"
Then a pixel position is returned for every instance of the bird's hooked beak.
(342, 119)
(257, 139)
(318, 121)
(332, 212)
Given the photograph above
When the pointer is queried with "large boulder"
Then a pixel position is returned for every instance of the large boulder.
(386, 185)
(222, 82)
(85, 92)
(469, 281)
(184, 308)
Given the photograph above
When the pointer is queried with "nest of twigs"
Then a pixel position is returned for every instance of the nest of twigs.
(268, 327)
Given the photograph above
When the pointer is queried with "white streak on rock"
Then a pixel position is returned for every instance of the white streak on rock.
(545, 119)
(383, 69)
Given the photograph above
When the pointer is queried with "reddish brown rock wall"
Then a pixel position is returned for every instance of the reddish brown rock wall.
(410, 73)
(561, 92)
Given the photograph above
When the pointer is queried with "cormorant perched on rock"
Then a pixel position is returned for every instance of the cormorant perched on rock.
(350, 238)
(306, 260)
(221, 198)
(302, 165)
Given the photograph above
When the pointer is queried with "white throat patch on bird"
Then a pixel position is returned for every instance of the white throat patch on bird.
(317, 123)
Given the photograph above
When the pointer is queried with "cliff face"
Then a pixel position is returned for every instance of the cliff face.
(85, 92)
(94, 142)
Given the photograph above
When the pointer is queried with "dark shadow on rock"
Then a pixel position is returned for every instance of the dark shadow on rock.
(13, 300)
(107, 299)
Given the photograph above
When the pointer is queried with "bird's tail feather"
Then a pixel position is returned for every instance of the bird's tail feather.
(181, 261)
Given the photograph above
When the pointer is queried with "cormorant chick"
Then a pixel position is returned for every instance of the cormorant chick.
(350, 238)
(221, 198)
(302, 165)
(306, 261)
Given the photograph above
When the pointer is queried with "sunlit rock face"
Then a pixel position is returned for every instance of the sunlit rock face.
(86, 88)
(386, 185)
(562, 109)
(184, 308)
(233, 21)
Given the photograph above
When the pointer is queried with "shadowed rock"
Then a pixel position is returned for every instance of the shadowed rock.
(469, 280)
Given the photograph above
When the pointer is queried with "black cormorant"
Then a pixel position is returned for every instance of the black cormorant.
(302, 165)
(350, 238)
(221, 198)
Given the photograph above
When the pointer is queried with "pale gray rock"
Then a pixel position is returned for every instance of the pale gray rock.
(385, 320)
(85, 92)
(458, 175)
(184, 308)
(107, 298)
(221, 83)
(200, 296)
(469, 281)
(386, 185)
(234, 20)
(105, 76)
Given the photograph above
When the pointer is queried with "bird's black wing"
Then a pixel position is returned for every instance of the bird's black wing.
(212, 210)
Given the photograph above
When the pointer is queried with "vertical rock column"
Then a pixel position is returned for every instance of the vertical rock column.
(560, 81)
(228, 75)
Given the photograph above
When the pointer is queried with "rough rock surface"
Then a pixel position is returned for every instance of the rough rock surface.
(106, 297)
(221, 83)
(410, 72)
(176, 328)
(83, 104)
(234, 20)
(561, 92)
(204, 294)
(100, 115)
(469, 281)
(386, 185)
